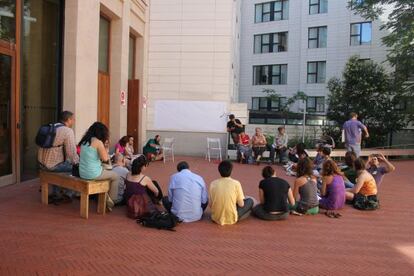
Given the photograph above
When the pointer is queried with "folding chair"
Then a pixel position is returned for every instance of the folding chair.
(168, 147)
(213, 144)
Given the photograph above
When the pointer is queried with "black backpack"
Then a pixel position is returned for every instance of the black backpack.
(46, 135)
(160, 220)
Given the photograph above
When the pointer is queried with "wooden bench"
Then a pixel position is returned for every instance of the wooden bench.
(85, 187)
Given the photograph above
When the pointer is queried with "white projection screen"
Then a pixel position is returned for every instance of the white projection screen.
(198, 116)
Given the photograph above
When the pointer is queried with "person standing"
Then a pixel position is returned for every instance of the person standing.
(280, 146)
(187, 194)
(62, 155)
(234, 127)
(227, 202)
(352, 130)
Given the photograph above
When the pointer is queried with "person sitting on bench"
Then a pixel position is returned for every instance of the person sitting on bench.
(152, 149)
(259, 144)
(244, 147)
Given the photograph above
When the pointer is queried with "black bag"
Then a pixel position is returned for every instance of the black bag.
(75, 170)
(160, 220)
(46, 135)
(362, 202)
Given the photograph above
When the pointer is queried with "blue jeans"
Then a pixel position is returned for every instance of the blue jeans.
(356, 148)
(348, 184)
(65, 166)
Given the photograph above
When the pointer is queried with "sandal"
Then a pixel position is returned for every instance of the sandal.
(332, 214)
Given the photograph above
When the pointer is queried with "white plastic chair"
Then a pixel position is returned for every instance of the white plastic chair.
(168, 147)
(213, 144)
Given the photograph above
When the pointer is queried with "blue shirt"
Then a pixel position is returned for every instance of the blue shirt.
(353, 130)
(187, 191)
(90, 165)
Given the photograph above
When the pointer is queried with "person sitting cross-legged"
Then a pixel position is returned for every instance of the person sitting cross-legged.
(227, 202)
(187, 194)
(333, 187)
(119, 168)
(349, 170)
(364, 194)
(274, 194)
(305, 189)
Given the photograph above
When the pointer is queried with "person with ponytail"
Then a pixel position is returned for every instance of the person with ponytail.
(143, 195)
(93, 154)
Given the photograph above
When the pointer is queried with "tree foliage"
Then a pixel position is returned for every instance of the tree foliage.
(367, 90)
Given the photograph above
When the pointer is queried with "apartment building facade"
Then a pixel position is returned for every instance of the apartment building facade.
(298, 45)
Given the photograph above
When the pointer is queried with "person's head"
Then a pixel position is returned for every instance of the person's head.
(373, 160)
(329, 167)
(304, 167)
(182, 166)
(258, 130)
(157, 138)
(67, 118)
(359, 164)
(326, 151)
(319, 148)
(130, 140)
(350, 157)
(300, 148)
(353, 115)
(268, 172)
(123, 141)
(138, 165)
(225, 167)
(242, 133)
(281, 130)
(232, 117)
(97, 130)
(119, 159)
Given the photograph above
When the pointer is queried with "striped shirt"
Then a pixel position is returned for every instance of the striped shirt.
(64, 148)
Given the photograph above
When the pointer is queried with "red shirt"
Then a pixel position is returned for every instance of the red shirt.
(245, 139)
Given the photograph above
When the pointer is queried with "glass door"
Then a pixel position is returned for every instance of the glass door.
(7, 130)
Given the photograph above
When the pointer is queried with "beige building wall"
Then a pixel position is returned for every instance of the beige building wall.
(191, 58)
(80, 93)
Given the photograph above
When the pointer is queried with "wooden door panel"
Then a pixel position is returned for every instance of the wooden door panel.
(133, 111)
(103, 98)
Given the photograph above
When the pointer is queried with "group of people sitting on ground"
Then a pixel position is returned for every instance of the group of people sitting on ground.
(319, 183)
(251, 150)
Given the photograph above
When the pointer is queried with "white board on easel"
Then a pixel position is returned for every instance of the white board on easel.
(196, 116)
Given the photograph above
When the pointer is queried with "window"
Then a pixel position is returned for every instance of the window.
(271, 11)
(318, 6)
(104, 37)
(270, 43)
(270, 74)
(316, 71)
(317, 37)
(361, 33)
(268, 104)
(315, 104)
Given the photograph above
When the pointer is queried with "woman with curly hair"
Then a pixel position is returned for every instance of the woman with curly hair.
(333, 188)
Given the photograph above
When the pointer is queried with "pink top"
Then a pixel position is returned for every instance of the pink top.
(120, 148)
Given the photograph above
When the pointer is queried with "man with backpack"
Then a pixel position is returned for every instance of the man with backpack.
(57, 147)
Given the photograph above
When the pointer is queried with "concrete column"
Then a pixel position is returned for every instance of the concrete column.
(80, 62)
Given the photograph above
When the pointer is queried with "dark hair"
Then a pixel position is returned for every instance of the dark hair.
(231, 116)
(359, 164)
(138, 164)
(182, 166)
(304, 167)
(268, 172)
(65, 116)
(225, 167)
(280, 128)
(300, 148)
(329, 167)
(350, 157)
(326, 151)
(123, 141)
(97, 130)
(352, 115)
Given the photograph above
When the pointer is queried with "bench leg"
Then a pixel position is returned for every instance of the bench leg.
(84, 205)
(45, 192)
(102, 203)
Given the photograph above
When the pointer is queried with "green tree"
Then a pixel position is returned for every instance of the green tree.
(367, 90)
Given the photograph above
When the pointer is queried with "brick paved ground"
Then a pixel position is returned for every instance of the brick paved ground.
(38, 239)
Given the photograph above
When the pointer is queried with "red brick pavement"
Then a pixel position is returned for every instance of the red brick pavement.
(44, 240)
